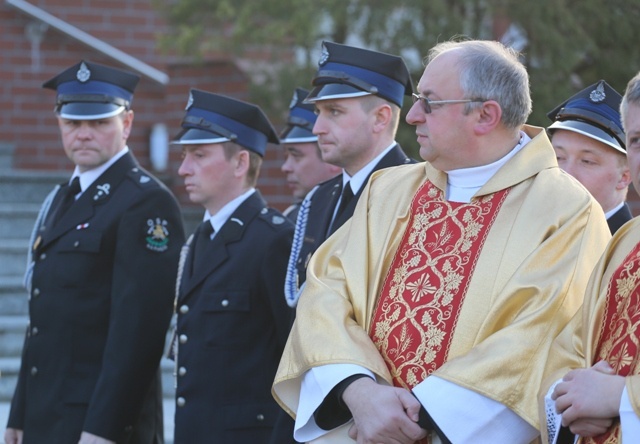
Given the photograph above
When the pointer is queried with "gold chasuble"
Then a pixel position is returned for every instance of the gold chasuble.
(414, 285)
(425, 288)
(612, 315)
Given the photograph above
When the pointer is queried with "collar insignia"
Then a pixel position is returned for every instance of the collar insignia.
(103, 191)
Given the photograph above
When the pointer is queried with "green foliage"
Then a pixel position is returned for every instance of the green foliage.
(570, 43)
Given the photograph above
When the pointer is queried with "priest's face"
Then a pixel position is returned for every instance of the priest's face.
(632, 130)
(444, 134)
(345, 132)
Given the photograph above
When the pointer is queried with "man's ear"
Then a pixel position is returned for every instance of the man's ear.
(383, 115)
(489, 116)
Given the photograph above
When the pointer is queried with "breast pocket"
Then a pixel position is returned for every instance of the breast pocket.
(80, 260)
(225, 316)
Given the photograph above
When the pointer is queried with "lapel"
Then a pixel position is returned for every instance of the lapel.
(394, 157)
(619, 218)
(83, 209)
(231, 232)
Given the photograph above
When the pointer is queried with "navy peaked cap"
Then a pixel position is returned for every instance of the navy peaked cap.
(214, 118)
(346, 71)
(89, 91)
(301, 119)
(593, 112)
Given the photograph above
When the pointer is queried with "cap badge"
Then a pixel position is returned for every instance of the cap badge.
(294, 101)
(83, 73)
(189, 102)
(157, 235)
(324, 56)
(598, 95)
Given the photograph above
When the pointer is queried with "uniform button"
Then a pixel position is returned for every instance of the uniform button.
(184, 309)
(181, 401)
(36, 292)
(34, 371)
(182, 371)
(225, 302)
(43, 256)
(76, 244)
(260, 417)
(34, 331)
(183, 339)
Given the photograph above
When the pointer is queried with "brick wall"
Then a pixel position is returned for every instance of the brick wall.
(26, 118)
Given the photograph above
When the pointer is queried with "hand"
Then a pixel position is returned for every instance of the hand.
(88, 438)
(590, 426)
(12, 436)
(382, 414)
(589, 393)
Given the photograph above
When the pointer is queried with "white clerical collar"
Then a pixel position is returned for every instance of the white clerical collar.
(464, 183)
(610, 213)
(358, 179)
(90, 176)
(220, 218)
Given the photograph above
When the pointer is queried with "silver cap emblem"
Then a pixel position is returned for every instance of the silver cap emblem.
(189, 102)
(324, 56)
(83, 73)
(598, 95)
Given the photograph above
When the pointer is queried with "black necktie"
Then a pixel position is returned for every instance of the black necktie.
(347, 195)
(68, 198)
(202, 241)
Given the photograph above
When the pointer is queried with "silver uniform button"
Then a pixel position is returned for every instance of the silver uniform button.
(260, 417)
(36, 292)
(183, 339)
(43, 256)
(76, 244)
(225, 302)
(34, 331)
(182, 371)
(181, 401)
(184, 309)
(34, 371)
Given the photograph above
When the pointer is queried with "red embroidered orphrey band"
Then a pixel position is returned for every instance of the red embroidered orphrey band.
(620, 330)
(420, 301)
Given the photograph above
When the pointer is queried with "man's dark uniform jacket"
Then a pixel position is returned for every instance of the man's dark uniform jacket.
(619, 218)
(100, 304)
(232, 325)
(323, 204)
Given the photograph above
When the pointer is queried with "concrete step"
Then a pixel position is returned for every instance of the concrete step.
(25, 186)
(17, 219)
(13, 257)
(13, 296)
(12, 330)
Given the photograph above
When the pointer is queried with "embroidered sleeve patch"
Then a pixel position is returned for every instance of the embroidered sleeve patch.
(157, 235)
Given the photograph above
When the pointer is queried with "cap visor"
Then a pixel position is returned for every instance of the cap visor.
(296, 134)
(89, 110)
(590, 131)
(334, 91)
(194, 136)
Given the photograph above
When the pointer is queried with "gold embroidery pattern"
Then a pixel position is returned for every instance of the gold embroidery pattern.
(427, 282)
(619, 341)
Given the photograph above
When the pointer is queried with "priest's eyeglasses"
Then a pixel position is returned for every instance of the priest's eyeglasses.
(426, 102)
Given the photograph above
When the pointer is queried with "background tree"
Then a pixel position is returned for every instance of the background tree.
(567, 44)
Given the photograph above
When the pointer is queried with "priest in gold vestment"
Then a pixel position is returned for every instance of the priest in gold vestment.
(593, 370)
(428, 316)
